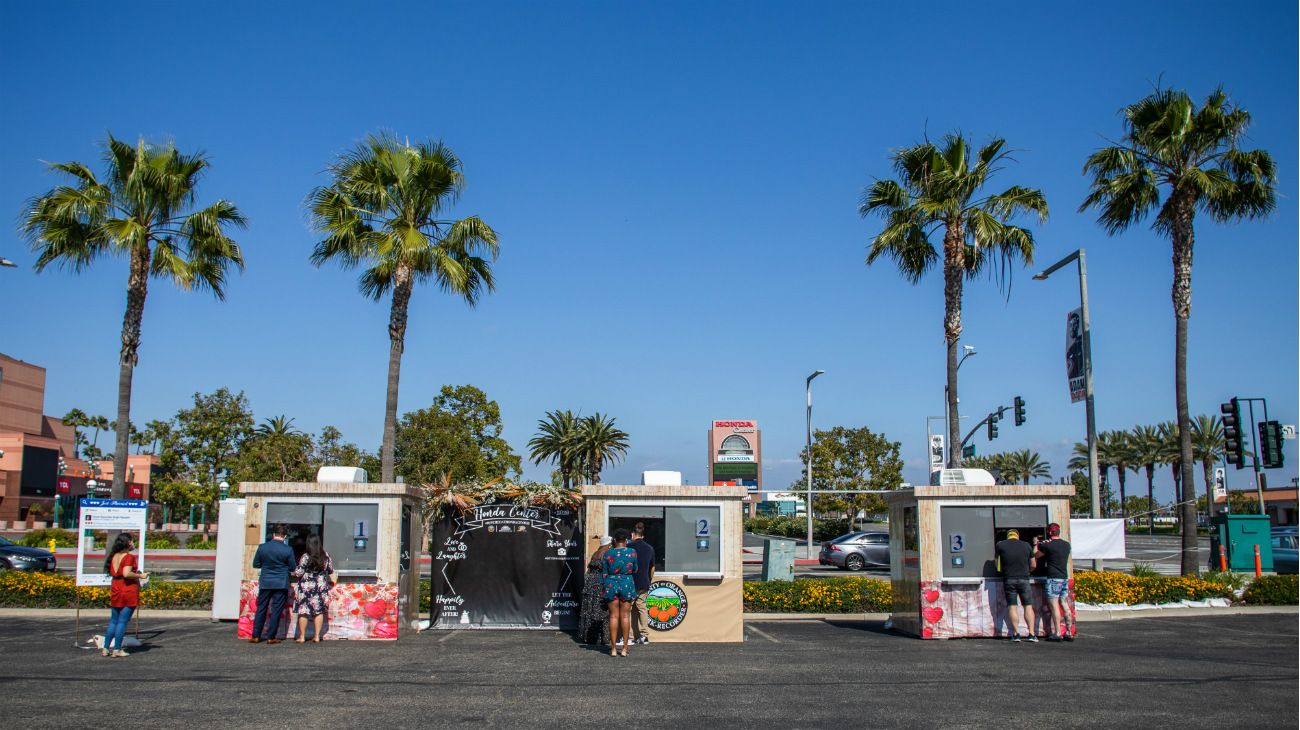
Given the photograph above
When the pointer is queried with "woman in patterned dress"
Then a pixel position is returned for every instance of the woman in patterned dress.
(312, 598)
(620, 590)
(594, 616)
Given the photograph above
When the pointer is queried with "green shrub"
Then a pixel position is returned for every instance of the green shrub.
(819, 595)
(1111, 587)
(200, 542)
(156, 539)
(796, 527)
(41, 538)
(1142, 570)
(1273, 590)
(1235, 581)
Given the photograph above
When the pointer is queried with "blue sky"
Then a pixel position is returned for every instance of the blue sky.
(675, 188)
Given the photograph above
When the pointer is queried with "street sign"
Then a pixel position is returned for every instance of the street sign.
(1288, 432)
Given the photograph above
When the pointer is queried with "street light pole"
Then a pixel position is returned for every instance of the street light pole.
(947, 462)
(808, 465)
(1089, 407)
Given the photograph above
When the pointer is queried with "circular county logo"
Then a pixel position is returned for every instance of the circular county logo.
(665, 605)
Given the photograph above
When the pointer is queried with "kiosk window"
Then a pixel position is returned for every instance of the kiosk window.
(347, 531)
(686, 539)
(970, 529)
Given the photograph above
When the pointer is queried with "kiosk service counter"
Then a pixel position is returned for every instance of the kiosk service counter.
(943, 567)
(372, 533)
(697, 533)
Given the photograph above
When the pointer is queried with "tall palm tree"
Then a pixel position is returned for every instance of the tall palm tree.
(599, 442)
(557, 441)
(1145, 441)
(1191, 155)
(142, 208)
(1119, 453)
(1025, 465)
(385, 210)
(1207, 448)
(277, 426)
(1079, 462)
(1171, 456)
(939, 188)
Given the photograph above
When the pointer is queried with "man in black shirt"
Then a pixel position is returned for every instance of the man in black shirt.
(1016, 562)
(1056, 552)
(645, 573)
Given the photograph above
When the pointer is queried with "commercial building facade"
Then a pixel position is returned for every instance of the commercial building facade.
(736, 458)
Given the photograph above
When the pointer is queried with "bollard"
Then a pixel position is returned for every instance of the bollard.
(1223, 559)
(1258, 570)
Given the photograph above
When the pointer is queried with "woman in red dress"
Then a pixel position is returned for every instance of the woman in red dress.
(124, 595)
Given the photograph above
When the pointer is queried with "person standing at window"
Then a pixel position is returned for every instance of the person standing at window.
(1016, 562)
(312, 599)
(1056, 552)
(275, 558)
(593, 623)
(124, 593)
(619, 570)
(645, 574)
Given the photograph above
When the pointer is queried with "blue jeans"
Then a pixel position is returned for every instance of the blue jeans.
(118, 618)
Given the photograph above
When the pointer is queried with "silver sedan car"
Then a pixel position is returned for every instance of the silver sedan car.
(856, 550)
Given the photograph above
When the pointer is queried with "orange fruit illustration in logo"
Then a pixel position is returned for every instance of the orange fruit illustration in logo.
(672, 611)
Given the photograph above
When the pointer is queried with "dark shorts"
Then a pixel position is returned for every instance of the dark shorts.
(1017, 590)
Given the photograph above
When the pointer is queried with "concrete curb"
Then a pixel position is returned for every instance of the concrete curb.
(1083, 616)
(93, 612)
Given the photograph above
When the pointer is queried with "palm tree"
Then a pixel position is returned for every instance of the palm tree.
(1145, 441)
(1193, 156)
(78, 419)
(1207, 447)
(599, 442)
(384, 210)
(939, 188)
(1119, 453)
(1025, 465)
(277, 426)
(1079, 462)
(557, 441)
(1171, 455)
(142, 209)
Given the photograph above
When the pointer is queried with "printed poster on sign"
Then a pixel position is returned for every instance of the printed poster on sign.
(1074, 354)
(112, 515)
(507, 566)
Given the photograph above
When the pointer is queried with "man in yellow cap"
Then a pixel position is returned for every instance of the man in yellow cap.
(1015, 563)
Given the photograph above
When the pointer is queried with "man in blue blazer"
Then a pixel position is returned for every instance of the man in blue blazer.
(275, 558)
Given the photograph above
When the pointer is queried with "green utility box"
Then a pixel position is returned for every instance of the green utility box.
(778, 560)
(1240, 534)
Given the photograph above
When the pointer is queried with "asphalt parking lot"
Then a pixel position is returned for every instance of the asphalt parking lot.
(1194, 671)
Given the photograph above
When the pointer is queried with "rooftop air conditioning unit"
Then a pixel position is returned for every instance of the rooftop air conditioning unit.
(661, 479)
(965, 478)
(341, 475)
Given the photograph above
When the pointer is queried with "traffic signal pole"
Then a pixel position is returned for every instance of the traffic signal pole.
(1254, 459)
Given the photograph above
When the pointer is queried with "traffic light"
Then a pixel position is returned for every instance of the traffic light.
(1020, 411)
(1270, 444)
(1234, 437)
(993, 426)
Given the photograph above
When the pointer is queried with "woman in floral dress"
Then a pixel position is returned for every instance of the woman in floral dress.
(594, 617)
(618, 569)
(312, 598)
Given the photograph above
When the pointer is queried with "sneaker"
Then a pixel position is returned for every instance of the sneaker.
(620, 643)
(1032, 639)
(1068, 636)
(1015, 638)
(1051, 637)
(643, 640)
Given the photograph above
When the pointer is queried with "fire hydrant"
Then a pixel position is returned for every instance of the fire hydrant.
(51, 544)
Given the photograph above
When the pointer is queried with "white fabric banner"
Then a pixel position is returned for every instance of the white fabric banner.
(1096, 539)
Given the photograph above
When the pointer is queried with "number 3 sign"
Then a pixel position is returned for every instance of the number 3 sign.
(956, 542)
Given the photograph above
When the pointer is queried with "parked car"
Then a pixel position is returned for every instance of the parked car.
(17, 557)
(1284, 549)
(856, 550)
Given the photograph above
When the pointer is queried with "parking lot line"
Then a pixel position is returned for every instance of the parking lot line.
(763, 634)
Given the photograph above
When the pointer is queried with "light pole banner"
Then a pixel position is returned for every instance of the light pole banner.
(125, 515)
(936, 452)
(1074, 354)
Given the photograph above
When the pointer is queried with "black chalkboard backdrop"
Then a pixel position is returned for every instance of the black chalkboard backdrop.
(503, 566)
